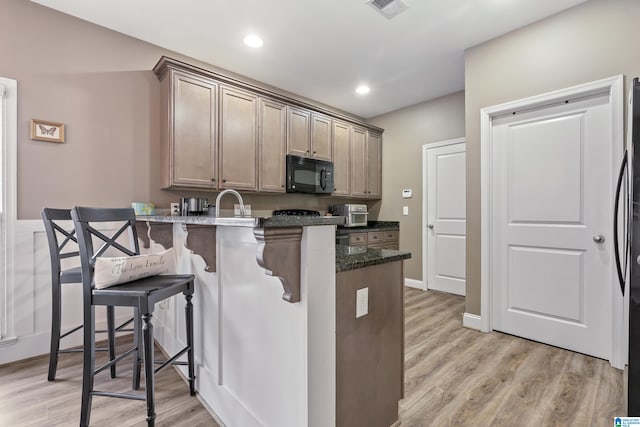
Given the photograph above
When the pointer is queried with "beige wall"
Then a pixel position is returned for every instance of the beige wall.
(591, 41)
(98, 83)
(406, 131)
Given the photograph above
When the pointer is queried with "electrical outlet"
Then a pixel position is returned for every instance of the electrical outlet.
(362, 302)
(405, 210)
(236, 210)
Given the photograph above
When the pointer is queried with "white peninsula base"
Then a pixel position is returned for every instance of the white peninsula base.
(261, 361)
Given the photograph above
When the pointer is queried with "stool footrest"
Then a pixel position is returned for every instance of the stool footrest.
(71, 350)
(118, 395)
(71, 331)
(114, 361)
(119, 328)
(171, 360)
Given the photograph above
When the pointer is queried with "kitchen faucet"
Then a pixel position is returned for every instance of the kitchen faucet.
(243, 211)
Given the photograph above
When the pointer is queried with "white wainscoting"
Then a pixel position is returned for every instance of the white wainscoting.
(29, 298)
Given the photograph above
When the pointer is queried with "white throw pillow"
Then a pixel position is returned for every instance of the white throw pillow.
(113, 271)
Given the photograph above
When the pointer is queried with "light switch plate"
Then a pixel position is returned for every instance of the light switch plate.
(362, 302)
(405, 210)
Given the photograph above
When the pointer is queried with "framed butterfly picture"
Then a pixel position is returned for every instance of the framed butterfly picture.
(47, 131)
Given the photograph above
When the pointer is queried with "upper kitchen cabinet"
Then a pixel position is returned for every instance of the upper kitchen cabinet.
(341, 158)
(298, 131)
(221, 131)
(359, 157)
(238, 139)
(374, 165)
(321, 137)
(272, 146)
(309, 134)
(366, 163)
(189, 131)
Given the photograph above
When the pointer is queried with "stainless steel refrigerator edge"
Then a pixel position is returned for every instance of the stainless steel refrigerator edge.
(627, 251)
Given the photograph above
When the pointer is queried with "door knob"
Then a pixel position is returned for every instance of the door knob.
(598, 238)
(430, 226)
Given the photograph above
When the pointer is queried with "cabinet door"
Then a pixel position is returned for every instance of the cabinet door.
(273, 142)
(299, 131)
(374, 165)
(359, 156)
(341, 158)
(238, 139)
(192, 158)
(321, 137)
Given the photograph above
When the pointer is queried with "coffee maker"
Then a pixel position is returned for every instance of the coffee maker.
(194, 206)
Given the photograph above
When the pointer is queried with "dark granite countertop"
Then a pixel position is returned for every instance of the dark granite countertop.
(353, 257)
(259, 222)
(371, 226)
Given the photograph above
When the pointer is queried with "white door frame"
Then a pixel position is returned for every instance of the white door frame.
(615, 87)
(8, 205)
(425, 235)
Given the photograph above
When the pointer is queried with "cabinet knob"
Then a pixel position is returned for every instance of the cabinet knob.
(314, 152)
(282, 185)
(224, 180)
(213, 180)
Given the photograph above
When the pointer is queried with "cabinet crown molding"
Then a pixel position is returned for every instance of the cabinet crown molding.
(166, 63)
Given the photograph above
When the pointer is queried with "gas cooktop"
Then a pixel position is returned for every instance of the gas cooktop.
(295, 212)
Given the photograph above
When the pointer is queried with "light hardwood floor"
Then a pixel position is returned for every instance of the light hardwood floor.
(454, 377)
(28, 399)
(459, 377)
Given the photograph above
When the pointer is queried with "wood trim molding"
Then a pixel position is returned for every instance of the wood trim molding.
(201, 239)
(166, 63)
(161, 233)
(279, 254)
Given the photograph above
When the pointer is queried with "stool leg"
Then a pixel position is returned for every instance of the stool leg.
(111, 337)
(137, 362)
(88, 365)
(55, 327)
(189, 317)
(147, 332)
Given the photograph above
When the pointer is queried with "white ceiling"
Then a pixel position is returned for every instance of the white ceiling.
(322, 49)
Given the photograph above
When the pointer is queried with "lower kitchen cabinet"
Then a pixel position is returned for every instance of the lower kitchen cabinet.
(381, 239)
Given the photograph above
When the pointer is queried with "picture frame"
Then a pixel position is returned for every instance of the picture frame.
(42, 130)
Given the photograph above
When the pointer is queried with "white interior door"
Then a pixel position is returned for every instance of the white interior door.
(551, 247)
(446, 217)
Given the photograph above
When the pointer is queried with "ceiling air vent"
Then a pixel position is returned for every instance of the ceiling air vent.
(388, 8)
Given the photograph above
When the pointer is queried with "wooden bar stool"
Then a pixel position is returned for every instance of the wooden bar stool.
(141, 294)
(63, 245)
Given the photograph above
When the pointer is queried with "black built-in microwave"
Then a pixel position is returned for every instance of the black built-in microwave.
(306, 175)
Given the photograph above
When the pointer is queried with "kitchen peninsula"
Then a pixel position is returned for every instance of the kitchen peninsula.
(290, 329)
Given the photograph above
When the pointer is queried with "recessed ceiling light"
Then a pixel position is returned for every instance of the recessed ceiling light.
(253, 40)
(363, 89)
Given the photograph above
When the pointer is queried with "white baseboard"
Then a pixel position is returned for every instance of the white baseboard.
(413, 283)
(28, 346)
(455, 288)
(472, 321)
